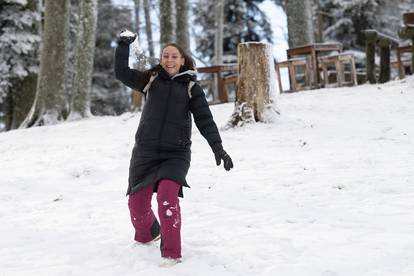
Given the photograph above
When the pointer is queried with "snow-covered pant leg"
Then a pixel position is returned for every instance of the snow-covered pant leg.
(142, 217)
(170, 218)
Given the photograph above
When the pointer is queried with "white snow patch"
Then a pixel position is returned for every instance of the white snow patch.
(326, 190)
(127, 33)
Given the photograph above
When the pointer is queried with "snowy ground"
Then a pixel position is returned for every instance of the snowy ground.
(327, 190)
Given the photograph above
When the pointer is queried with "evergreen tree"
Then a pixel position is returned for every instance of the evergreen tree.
(344, 21)
(19, 44)
(109, 96)
(243, 21)
(390, 15)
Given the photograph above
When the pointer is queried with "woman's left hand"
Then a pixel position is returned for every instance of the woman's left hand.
(221, 154)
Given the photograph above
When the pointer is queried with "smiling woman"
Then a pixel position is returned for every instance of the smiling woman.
(162, 151)
(171, 60)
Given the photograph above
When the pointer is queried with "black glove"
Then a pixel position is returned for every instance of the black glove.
(221, 154)
(126, 39)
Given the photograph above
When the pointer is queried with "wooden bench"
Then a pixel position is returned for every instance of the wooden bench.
(339, 61)
(291, 65)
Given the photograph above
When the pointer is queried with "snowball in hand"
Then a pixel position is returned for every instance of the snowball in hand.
(127, 33)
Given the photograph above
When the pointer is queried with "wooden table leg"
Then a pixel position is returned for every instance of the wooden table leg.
(316, 78)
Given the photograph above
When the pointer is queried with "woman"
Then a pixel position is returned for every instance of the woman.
(161, 155)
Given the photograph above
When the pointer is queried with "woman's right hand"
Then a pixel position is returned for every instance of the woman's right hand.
(126, 37)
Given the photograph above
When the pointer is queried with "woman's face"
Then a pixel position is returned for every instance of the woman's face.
(171, 60)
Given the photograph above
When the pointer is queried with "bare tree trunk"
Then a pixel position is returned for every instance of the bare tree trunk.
(218, 36)
(218, 43)
(300, 24)
(148, 29)
(137, 19)
(49, 104)
(24, 99)
(166, 25)
(88, 16)
(71, 58)
(256, 86)
(319, 19)
(182, 24)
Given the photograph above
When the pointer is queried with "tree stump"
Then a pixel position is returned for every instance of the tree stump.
(256, 86)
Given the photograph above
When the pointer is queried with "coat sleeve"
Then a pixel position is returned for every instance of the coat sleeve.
(132, 78)
(203, 117)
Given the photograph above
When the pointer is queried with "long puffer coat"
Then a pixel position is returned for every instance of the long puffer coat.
(163, 139)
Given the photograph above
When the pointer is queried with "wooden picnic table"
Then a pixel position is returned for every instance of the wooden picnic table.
(407, 32)
(222, 81)
(314, 50)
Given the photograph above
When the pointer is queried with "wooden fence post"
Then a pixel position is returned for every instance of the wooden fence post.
(385, 71)
(371, 37)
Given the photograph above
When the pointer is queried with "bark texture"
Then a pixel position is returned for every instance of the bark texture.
(49, 105)
(88, 15)
(166, 24)
(148, 29)
(300, 25)
(256, 86)
(182, 24)
(218, 36)
(137, 4)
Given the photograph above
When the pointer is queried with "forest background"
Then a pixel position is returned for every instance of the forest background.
(87, 32)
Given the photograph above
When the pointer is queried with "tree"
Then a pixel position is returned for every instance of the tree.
(345, 21)
(137, 5)
(80, 102)
(108, 96)
(256, 85)
(166, 22)
(300, 24)
(182, 24)
(71, 55)
(218, 36)
(243, 21)
(49, 106)
(148, 29)
(19, 43)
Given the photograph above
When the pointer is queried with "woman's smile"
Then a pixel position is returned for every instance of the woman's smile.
(171, 60)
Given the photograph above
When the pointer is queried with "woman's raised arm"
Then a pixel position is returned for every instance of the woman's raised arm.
(130, 77)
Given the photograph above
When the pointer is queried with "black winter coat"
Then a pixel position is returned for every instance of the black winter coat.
(163, 139)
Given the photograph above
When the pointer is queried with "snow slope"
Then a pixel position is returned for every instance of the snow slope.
(326, 190)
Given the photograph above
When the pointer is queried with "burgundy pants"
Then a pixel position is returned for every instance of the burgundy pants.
(143, 218)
